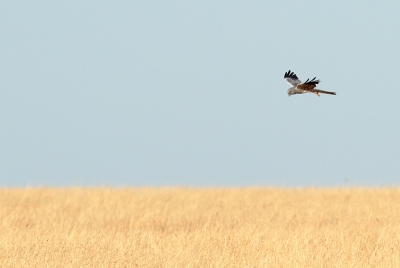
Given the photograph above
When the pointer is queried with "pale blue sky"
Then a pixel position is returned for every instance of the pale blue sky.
(191, 93)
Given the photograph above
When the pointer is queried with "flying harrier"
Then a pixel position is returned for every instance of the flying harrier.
(299, 88)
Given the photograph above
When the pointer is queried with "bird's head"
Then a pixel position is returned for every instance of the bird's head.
(290, 92)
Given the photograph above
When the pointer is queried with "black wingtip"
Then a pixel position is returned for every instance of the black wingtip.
(312, 81)
(290, 74)
(286, 74)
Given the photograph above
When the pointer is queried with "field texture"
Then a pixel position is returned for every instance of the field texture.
(179, 227)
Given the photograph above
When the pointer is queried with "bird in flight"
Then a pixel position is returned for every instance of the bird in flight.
(307, 87)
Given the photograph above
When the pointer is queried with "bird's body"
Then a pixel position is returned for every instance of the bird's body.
(307, 87)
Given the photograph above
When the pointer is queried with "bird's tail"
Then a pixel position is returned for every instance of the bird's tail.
(316, 91)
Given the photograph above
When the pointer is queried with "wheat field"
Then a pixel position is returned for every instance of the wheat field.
(200, 227)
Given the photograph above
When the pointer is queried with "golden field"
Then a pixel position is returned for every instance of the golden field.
(200, 227)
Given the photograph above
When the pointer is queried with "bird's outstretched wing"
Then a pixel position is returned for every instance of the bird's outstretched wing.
(309, 84)
(292, 78)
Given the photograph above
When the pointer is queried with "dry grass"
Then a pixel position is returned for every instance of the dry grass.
(177, 227)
